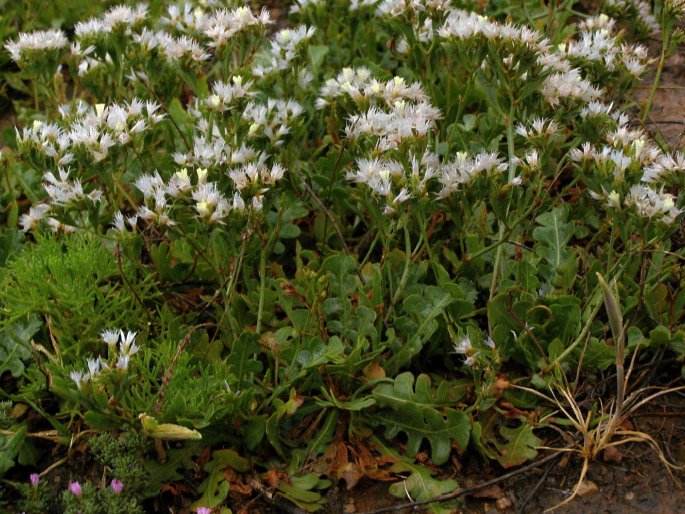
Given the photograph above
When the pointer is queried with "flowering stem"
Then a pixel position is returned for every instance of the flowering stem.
(265, 252)
(262, 287)
(405, 272)
(665, 43)
(501, 235)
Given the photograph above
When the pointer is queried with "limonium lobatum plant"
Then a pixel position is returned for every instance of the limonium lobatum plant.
(308, 213)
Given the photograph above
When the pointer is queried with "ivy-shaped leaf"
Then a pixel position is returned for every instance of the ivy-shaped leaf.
(423, 309)
(240, 359)
(414, 411)
(14, 345)
(420, 484)
(10, 446)
(302, 491)
(520, 446)
(552, 236)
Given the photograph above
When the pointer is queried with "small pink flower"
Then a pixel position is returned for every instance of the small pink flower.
(75, 489)
(117, 486)
(203, 510)
(34, 478)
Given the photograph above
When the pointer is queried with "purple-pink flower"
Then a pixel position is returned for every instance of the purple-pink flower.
(117, 486)
(75, 489)
(34, 478)
(204, 510)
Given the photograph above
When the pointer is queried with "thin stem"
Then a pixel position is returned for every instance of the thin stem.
(405, 272)
(665, 43)
(501, 237)
(262, 286)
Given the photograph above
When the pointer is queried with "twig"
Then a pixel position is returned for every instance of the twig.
(467, 490)
(329, 215)
(170, 371)
(521, 508)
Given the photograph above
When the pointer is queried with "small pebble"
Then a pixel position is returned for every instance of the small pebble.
(503, 503)
(630, 496)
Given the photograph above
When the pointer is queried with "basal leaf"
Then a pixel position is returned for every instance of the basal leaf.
(423, 309)
(413, 410)
(241, 358)
(520, 446)
(552, 236)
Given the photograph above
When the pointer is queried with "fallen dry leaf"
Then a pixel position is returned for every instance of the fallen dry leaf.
(494, 492)
(350, 473)
(587, 487)
(612, 454)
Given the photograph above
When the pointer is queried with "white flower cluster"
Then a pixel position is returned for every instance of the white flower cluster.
(562, 80)
(397, 183)
(271, 120)
(160, 197)
(285, 45)
(388, 178)
(624, 148)
(35, 43)
(569, 84)
(663, 166)
(254, 179)
(597, 44)
(463, 169)
(196, 33)
(640, 9)
(121, 347)
(423, 15)
(403, 121)
(93, 129)
(465, 347)
(625, 154)
(537, 128)
(361, 86)
(653, 204)
(170, 47)
(299, 6)
(225, 95)
(251, 181)
(218, 26)
(212, 151)
(117, 18)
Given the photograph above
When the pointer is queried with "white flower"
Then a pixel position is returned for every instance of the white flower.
(122, 361)
(36, 213)
(110, 336)
(93, 367)
(463, 346)
(471, 359)
(79, 377)
(127, 343)
(652, 204)
(38, 41)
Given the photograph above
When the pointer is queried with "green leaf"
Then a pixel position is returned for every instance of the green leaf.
(241, 360)
(552, 236)
(422, 486)
(254, 432)
(299, 491)
(414, 411)
(317, 53)
(423, 309)
(15, 345)
(10, 446)
(520, 446)
(340, 272)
